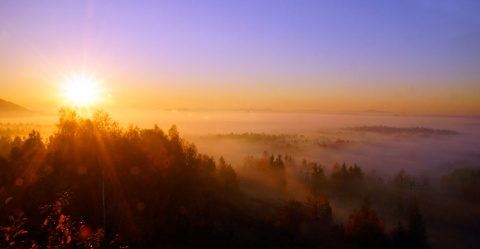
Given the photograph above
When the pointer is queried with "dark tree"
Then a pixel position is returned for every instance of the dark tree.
(319, 208)
(290, 217)
(416, 231)
(363, 228)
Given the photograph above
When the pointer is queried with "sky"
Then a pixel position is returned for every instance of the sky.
(409, 56)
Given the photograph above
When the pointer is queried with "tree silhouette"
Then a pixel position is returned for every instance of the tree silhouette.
(319, 208)
(290, 217)
(416, 231)
(363, 227)
(226, 175)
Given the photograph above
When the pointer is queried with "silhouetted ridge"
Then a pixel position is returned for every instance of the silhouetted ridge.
(14, 110)
(6, 106)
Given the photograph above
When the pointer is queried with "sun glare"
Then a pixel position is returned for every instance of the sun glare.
(81, 91)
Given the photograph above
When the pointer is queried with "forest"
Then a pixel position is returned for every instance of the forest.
(408, 130)
(95, 184)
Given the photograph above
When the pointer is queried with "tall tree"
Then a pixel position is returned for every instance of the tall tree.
(416, 232)
(363, 227)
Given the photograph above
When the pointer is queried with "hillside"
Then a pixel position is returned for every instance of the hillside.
(11, 109)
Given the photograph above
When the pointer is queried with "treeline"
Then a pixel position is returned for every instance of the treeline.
(333, 144)
(275, 141)
(261, 137)
(405, 130)
(310, 222)
(148, 186)
(102, 186)
(464, 184)
(286, 141)
(12, 130)
(455, 197)
(12, 135)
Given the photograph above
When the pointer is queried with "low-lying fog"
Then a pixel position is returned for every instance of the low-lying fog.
(317, 134)
(430, 154)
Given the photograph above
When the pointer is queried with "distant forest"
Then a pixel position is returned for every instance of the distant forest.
(94, 184)
(406, 130)
(23, 129)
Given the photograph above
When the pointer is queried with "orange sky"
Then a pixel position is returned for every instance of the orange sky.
(409, 58)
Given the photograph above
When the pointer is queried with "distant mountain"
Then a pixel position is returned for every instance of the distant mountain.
(11, 109)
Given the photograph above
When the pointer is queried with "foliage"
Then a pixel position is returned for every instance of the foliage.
(151, 188)
(63, 231)
(346, 181)
(364, 228)
(416, 231)
(464, 183)
(320, 209)
(316, 177)
(14, 236)
(58, 230)
(290, 217)
(414, 235)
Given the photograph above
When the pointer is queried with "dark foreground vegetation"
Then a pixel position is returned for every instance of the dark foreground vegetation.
(93, 184)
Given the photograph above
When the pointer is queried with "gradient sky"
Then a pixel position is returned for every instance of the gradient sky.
(412, 56)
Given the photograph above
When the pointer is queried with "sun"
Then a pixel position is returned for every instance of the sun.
(81, 91)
